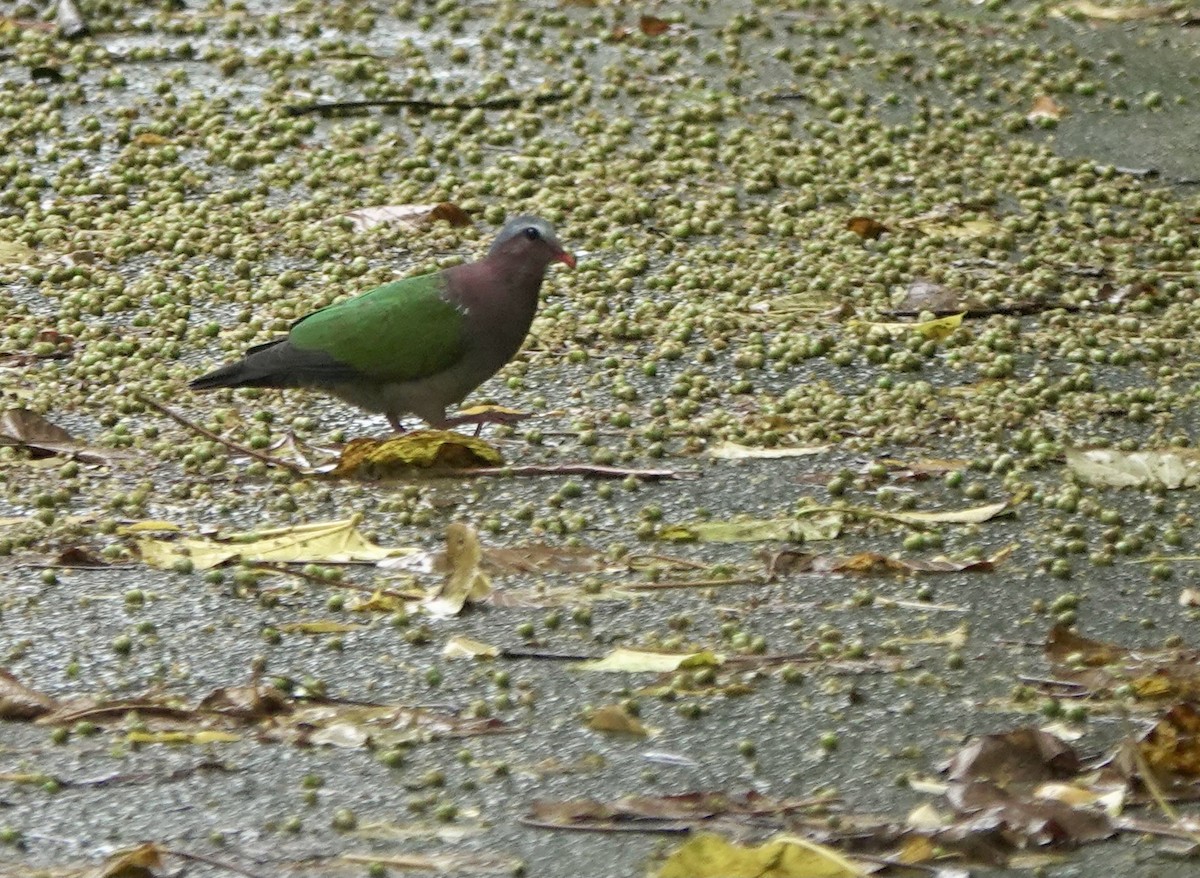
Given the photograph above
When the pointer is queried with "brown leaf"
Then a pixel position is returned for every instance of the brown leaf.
(652, 26)
(1043, 822)
(1022, 755)
(1045, 108)
(18, 701)
(449, 212)
(253, 702)
(1065, 646)
(866, 227)
(31, 431)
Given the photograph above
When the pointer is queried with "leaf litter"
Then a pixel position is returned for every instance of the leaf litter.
(338, 542)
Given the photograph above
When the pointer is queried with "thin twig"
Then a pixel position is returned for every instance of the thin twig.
(692, 583)
(327, 107)
(212, 861)
(209, 434)
(334, 583)
(572, 469)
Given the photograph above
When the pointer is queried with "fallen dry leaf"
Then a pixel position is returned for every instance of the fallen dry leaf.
(705, 855)
(1106, 467)
(410, 215)
(380, 458)
(938, 329)
(318, 542)
(636, 661)
(465, 582)
(614, 719)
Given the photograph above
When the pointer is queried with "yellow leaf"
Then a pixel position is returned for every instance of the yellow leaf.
(205, 736)
(465, 647)
(917, 849)
(320, 626)
(705, 855)
(639, 661)
(465, 582)
(212, 736)
(974, 515)
(159, 737)
(937, 329)
(377, 458)
(319, 542)
(379, 602)
(139, 527)
(614, 719)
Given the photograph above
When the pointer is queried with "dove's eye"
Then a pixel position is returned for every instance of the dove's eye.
(532, 233)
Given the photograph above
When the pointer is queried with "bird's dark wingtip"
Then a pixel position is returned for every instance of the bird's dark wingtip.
(223, 377)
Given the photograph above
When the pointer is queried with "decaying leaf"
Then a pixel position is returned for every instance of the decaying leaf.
(635, 661)
(465, 582)
(1098, 668)
(379, 458)
(733, 451)
(1176, 468)
(614, 719)
(318, 542)
(1022, 755)
(1035, 822)
(705, 855)
(410, 215)
(937, 329)
(823, 525)
(440, 864)
(866, 227)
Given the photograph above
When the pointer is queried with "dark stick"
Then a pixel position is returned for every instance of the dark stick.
(572, 469)
(228, 443)
(422, 104)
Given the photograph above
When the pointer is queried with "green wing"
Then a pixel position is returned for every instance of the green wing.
(400, 331)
